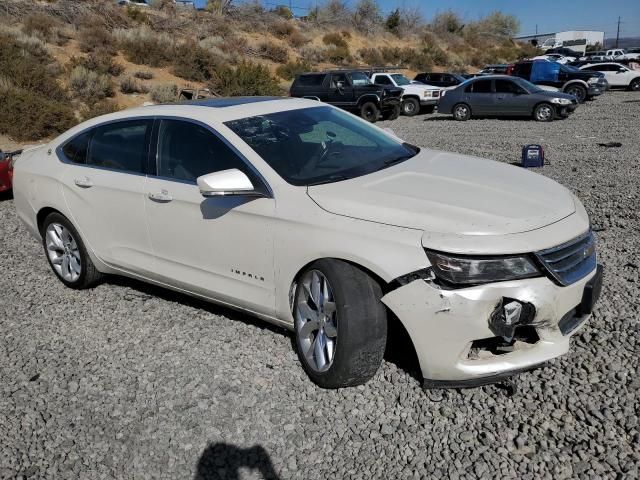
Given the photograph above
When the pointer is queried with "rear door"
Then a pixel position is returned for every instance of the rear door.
(479, 95)
(103, 186)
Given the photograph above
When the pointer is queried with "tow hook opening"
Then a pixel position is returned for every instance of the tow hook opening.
(508, 315)
(485, 347)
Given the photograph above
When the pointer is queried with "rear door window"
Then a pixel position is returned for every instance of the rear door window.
(481, 86)
(310, 80)
(120, 146)
(383, 80)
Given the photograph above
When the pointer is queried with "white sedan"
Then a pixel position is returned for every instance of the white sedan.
(617, 75)
(313, 219)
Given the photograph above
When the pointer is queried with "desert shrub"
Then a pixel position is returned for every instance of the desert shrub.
(95, 109)
(333, 12)
(145, 47)
(371, 56)
(297, 39)
(335, 39)
(273, 52)
(283, 29)
(338, 55)
(500, 24)
(165, 93)
(290, 69)
(390, 54)
(98, 62)
(392, 23)
(27, 115)
(130, 85)
(235, 46)
(313, 53)
(421, 61)
(137, 15)
(143, 75)
(45, 27)
(283, 12)
(245, 79)
(88, 85)
(367, 17)
(96, 39)
(447, 22)
(26, 64)
(193, 62)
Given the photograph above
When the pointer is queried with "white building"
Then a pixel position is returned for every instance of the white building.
(577, 40)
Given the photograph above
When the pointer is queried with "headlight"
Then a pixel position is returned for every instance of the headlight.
(593, 80)
(466, 270)
(561, 101)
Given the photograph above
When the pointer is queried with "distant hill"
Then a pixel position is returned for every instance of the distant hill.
(624, 42)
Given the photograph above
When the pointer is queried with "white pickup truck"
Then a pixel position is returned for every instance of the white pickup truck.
(415, 95)
(621, 54)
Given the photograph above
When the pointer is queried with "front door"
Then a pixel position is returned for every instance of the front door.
(220, 247)
(340, 89)
(511, 99)
(103, 186)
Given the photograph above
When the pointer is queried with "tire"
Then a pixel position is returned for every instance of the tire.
(461, 112)
(635, 85)
(344, 345)
(544, 112)
(369, 111)
(577, 91)
(67, 254)
(393, 113)
(410, 107)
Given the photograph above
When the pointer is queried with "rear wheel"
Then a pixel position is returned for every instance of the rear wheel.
(543, 112)
(369, 111)
(635, 85)
(67, 254)
(410, 107)
(461, 112)
(577, 91)
(340, 324)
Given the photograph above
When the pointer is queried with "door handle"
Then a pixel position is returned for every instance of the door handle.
(83, 182)
(162, 197)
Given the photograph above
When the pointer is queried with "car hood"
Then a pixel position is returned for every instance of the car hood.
(442, 192)
(555, 94)
(422, 86)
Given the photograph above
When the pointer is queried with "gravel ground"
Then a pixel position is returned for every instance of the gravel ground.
(130, 381)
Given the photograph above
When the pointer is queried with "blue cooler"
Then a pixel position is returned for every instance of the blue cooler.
(532, 156)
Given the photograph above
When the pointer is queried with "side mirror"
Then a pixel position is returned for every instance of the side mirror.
(226, 182)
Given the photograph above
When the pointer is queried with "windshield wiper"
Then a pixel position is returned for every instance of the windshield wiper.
(330, 179)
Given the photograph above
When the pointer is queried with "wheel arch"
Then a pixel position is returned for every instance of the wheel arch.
(368, 97)
(415, 96)
(576, 81)
(43, 213)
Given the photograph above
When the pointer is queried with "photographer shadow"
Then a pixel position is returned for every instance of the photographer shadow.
(222, 461)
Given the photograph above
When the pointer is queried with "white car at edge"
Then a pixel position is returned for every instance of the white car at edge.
(415, 94)
(313, 219)
(616, 74)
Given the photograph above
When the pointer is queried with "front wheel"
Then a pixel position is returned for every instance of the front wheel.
(410, 107)
(392, 114)
(67, 254)
(461, 112)
(635, 85)
(543, 112)
(369, 111)
(577, 91)
(340, 324)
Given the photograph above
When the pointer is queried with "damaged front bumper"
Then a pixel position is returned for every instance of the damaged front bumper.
(462, 340)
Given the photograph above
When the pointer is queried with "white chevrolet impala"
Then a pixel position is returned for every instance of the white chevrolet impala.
(313, 219)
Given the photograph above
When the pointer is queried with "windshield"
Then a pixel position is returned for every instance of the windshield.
(359, 78)
(400, 79)
(320, 145)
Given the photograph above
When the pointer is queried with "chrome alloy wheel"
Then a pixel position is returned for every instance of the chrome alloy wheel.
(544, 113)
(316, 320)
(63, 252)
(461, 111)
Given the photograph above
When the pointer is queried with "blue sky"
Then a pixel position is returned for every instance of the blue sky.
(548, 15)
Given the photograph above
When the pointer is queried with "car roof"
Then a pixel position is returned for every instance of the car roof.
(222, 102)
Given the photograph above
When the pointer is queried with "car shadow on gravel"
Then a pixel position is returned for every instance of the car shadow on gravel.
(7, 195)
(223, 461)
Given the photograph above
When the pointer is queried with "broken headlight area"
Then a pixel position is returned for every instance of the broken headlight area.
(465, 270)
(524, 335)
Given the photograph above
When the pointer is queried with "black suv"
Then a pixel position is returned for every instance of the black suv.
(581, 84)
(440, 79)
(351, 90)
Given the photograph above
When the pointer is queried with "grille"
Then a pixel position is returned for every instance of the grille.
(571, 261)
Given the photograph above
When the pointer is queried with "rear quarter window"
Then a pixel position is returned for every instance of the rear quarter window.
(310, 80)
